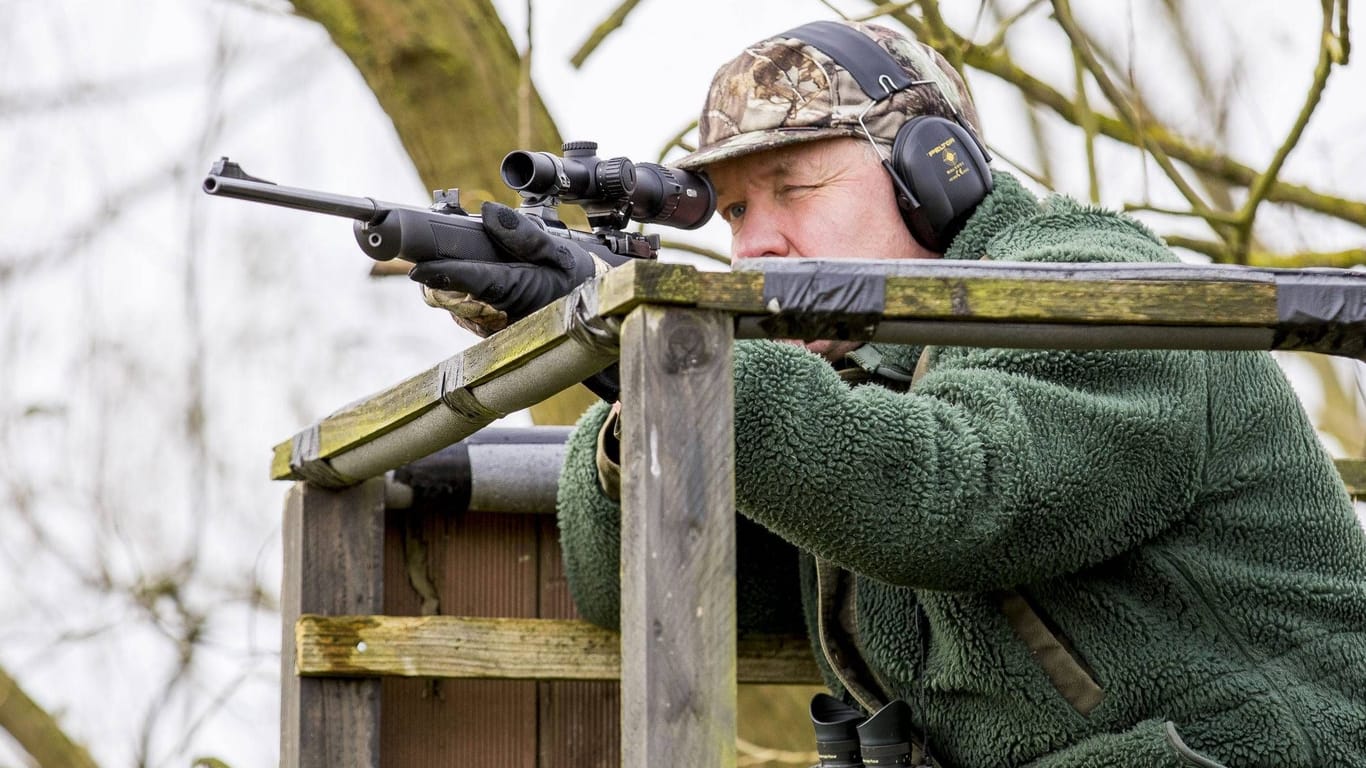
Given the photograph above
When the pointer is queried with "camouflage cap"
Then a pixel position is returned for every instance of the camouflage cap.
(782, 91)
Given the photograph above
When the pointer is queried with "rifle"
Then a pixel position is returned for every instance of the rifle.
(612, 193)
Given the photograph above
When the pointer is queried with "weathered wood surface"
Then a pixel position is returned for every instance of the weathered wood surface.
(500, 355)
(678, 638)
(333, 548)
(505, 649)
(1243, 311)
(1111, 302)
(1353, 472)
(1077, 297)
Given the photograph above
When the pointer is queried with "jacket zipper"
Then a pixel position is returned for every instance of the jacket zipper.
(1246, 656)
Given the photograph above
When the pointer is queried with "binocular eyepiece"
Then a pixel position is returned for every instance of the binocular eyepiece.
(845, 739)
(649, 192)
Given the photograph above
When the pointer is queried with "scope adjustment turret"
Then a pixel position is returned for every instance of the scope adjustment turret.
(617, 178)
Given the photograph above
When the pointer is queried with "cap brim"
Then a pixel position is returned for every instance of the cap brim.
(758, 141)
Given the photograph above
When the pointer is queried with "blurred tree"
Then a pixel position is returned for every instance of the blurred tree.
(37, 731)
(459, 93)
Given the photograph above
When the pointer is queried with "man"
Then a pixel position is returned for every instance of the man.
(1138, 558)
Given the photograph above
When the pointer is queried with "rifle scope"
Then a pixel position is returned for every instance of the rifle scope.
(652, 193)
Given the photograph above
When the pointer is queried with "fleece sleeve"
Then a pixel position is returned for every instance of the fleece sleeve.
(768, 597)
(999, 467)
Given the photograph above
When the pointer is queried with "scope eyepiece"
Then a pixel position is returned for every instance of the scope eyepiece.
(671, 196)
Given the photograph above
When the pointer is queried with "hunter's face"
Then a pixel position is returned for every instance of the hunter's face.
(828, 199)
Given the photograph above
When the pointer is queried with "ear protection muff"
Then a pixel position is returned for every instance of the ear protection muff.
(939, 167)
(940, 174)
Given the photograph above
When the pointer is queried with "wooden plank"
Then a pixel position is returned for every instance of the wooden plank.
(372, 417)
(1183, 296)
(678, 642)
(655, 282)
(1114, 302)
(464, 647)
(1099, 302)
(333, 548)
(1353, 472)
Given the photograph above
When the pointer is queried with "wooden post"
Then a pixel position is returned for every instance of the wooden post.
(334, 565)
(677, 539)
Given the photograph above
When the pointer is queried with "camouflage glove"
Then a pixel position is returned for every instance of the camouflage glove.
(536, 268)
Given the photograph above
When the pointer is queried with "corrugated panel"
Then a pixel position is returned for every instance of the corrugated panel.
(480, 565)
(580, 721)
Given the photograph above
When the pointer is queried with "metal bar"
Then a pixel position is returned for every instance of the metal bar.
(513, 470)
(316, 201)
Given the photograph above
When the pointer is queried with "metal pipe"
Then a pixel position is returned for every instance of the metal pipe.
(515, 470)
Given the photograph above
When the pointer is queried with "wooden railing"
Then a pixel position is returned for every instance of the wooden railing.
(677, 658)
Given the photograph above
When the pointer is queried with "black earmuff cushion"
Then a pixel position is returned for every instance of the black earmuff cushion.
(944, 169)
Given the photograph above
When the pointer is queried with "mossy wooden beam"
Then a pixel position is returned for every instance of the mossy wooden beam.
(455, 398)
(653, 282)
(1353, 472)
(986, 299)
(523, 649)
(941, 302)
(1014, 304)
(1099, 294)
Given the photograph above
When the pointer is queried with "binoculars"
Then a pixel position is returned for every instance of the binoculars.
(846, 739)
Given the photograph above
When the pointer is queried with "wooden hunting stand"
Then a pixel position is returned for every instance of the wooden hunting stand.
(448, 613)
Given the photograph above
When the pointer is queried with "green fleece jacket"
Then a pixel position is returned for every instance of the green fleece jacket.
(1062, 559)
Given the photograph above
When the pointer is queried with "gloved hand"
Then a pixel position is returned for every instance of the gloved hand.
(537, 268)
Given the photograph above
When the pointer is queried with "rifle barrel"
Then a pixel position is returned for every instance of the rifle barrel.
(365, 209)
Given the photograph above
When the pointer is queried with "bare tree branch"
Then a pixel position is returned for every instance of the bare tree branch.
(677, 141)
(609, 25)
(1262, 184)
(1088, 126)
(1036, 176)
(36, 731)
(1081, 45)
(1199, 158)
(1217, 250)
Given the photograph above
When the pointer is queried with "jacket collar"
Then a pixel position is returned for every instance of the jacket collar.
(1007, 204)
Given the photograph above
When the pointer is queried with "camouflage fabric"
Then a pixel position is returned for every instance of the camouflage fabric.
(781, 91)
(469, 313)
